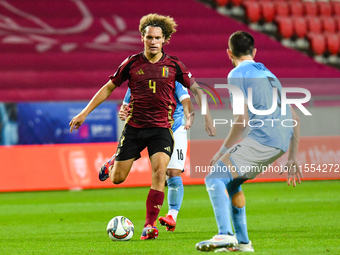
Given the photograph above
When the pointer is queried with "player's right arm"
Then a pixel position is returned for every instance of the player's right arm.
(292, 165)
(97, 99)
(189, 112)
(234, 135)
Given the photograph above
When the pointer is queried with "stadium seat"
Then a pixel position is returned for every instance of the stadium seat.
(285, 26)
(300, 26)
(318, 43)
(253, 11)
(221, 2)
(281, 8)
(311, 8)
(325, 8)
(333, 43)
(296, 8)
(314, 24)
(328, 24)
(236, 2)
(336, 7)
(268, 11)
(337, 22)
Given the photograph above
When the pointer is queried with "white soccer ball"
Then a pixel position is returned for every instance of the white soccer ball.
(120, 228)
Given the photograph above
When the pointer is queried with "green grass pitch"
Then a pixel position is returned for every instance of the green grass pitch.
(281, 220)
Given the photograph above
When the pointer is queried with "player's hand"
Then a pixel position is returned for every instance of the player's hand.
(123, 112)
(77, 121)
(215, 158)
(189, 121)
(209, 128)
(294, 172)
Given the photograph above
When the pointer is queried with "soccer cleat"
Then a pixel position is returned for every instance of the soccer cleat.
(218, 241)
(104, 170)
(168, 221)
(149, 233)
(238, 248)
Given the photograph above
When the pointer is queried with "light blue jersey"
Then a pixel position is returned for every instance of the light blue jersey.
(273, 133)
(180, 94)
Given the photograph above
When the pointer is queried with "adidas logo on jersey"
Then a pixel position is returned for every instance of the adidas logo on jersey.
(140, 72)
(167, 149)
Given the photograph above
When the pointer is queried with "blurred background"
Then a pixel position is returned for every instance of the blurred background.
(55, 55)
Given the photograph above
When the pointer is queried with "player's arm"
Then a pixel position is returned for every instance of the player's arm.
(189, 112)
(292, 165)
(97, 99)
(123, 111)
(209, 125)
(240, 123)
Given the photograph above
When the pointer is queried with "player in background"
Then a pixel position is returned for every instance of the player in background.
(151, 74)
(262, 146)
(177, 160)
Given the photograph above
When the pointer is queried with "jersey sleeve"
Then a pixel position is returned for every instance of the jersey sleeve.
(126, 100)
(122, 73)
(181, 92)
(183, 75)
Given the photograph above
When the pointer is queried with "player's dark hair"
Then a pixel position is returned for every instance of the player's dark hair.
(241, 44)
(166, 23)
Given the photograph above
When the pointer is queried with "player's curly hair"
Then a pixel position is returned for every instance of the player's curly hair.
(166, 23)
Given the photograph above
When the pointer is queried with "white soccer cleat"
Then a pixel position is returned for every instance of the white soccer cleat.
(238, 248)
(218, 241)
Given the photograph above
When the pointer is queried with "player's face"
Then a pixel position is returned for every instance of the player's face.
(153, 40)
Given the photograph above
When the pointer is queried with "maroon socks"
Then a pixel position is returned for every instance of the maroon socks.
(154, 203)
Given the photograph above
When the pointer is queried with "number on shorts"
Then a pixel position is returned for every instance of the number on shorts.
(180, 154)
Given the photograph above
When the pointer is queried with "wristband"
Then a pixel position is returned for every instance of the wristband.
(223, 149)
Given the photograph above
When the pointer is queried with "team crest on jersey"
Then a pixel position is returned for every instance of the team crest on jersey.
(165, 72)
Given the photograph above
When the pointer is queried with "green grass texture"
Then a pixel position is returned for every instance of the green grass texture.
(281, 220)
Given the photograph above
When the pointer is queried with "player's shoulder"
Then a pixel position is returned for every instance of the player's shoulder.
(171, 57)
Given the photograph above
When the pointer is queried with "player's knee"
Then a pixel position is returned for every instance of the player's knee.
(173, 172)
(117, 178)
(239, 200)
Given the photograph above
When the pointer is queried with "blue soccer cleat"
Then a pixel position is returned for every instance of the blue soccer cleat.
(104, 170)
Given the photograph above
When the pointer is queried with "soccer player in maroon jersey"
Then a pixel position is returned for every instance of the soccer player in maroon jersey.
(152, 75)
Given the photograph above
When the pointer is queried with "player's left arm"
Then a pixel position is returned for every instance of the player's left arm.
(189, 112)
(292, 165)
(209, 125)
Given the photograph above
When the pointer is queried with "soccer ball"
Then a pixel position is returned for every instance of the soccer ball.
(120, 228)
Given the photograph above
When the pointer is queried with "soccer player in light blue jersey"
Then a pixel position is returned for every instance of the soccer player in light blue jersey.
(177, 160)
(267, 140)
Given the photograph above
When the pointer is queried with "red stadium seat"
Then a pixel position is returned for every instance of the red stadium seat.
(337, 22)
(296, 8)
(311, 8)
(318, 43)
(300, 26)
(281, 8)
(268, 11)
(314, 24)
(333, 43)
(336, 8)
(325, 8)
(285, 26)
(236, 2)
(253, 11)
(328, 24)
(221, 2)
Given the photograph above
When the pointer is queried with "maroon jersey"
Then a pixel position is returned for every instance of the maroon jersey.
(152, 101)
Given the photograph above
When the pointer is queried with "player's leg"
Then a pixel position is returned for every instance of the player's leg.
(128, 150)
(160, 147)
(216, 183)
(174, 181)
(246, 158)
